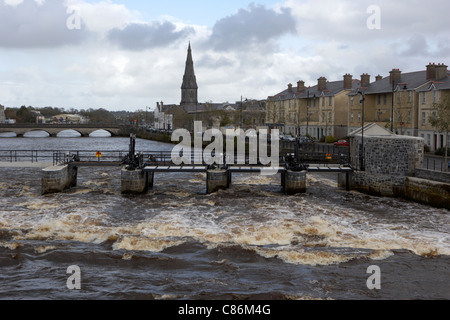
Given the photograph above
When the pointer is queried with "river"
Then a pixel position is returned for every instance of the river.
(176, 242)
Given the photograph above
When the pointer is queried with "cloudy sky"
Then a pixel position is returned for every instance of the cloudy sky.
(127, 55)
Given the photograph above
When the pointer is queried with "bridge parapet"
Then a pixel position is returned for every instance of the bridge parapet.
(53, 129)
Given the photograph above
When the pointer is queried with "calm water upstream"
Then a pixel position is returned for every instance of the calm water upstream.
(176, 242)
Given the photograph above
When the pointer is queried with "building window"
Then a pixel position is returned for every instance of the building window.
(434, 96)
(379, 99)
(352, 117)
(424, 118)
(385, 99)
(352, 100)
(424, 97)
(408, 118)
(379, 113)
(323, 116)
(323, 101)
(359, 117)
(429, 139)
(410, 96)
(330, 101)
(329, 117)
(399, 97)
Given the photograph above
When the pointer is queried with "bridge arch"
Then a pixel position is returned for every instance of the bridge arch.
(35, 133)
(5, 134)
(101, 133)
(70, 133)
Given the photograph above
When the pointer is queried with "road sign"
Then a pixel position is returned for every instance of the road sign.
(98, 155)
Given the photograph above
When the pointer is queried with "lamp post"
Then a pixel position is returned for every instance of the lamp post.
(362, 151)
(308, 105)
(242, 111)
(392, 111)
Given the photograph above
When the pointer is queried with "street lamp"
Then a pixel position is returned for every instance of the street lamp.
(392, 111)
(362, 151)
(242, 111)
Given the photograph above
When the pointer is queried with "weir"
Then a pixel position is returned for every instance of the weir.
(139, 170)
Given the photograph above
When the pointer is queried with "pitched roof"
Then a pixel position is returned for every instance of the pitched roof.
(332, 88)
(411, 81)
(443, 84)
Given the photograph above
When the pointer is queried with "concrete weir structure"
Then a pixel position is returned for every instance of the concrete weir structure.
(293, 182)
(217, 180)
(136, 181)
(58, 179)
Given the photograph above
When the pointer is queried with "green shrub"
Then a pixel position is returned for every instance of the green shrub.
(330, 139)
(441, 151)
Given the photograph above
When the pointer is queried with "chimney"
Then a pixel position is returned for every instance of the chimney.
(290, 87)
(441, 71)
(396, 76)
(431, 71)
(300, 86)
(378, 78)
(365, 80)
(348, 81)
(322, 83)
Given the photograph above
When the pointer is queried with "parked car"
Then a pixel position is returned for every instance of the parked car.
(305, 139)
(342, 143)
(289, 138)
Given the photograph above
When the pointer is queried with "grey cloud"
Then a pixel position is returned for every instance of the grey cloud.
(417, 45)
(210, 61)
(138, 37)
(255, 25)
(29, 25)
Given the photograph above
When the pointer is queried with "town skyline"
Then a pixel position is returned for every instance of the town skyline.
(240, 49)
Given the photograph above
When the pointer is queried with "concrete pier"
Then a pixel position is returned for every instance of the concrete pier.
(293, 182)
(217, 180)
(58, 179)
(135, 181)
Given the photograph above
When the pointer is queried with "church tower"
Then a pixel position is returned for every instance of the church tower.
(189, 88)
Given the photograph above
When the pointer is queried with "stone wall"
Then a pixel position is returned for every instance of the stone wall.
(428, 192)
(433, 175)
(388, 161)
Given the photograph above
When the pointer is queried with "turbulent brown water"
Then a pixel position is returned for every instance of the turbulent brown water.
(176, 242)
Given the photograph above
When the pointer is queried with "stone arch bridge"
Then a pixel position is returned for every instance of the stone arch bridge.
(53, 129)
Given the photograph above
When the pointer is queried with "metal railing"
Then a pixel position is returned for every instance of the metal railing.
(151, 158)
(436, 164)
(32, 156)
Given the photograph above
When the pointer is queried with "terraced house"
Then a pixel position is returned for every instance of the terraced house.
(401, 102)
(434, 92)
(318, 111)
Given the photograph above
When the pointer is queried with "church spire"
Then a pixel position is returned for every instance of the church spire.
(189, 88)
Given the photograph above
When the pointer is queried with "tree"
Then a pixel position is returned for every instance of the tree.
(24, 115)
(440, 120)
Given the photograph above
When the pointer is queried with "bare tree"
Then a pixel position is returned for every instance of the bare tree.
(441, 122)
